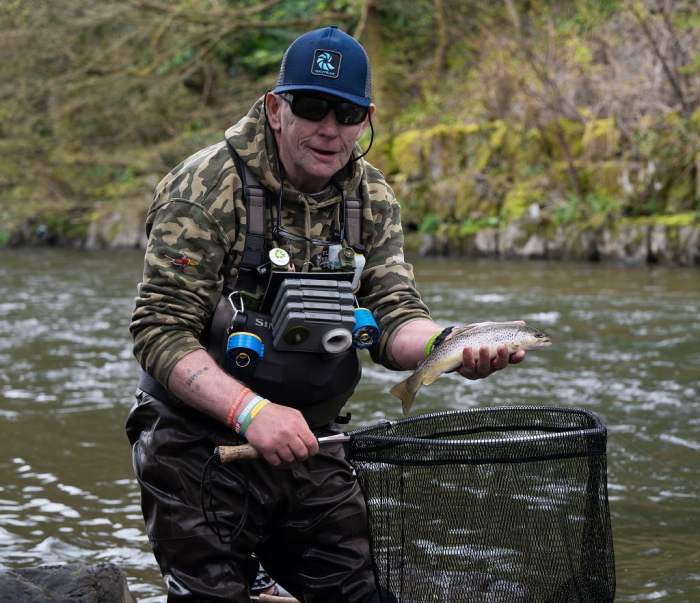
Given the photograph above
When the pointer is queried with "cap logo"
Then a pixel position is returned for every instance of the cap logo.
(326, 63)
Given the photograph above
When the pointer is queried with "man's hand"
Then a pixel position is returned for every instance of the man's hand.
(281, 434)
(478, 366)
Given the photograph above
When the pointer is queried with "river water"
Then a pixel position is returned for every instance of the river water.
(627, 346)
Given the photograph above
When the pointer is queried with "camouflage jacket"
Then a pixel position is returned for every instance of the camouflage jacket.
(196, 234)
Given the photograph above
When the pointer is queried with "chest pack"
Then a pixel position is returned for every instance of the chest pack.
(290, 346)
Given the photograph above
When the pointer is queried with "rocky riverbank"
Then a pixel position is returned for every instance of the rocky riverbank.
(639, 242)
(571, 190)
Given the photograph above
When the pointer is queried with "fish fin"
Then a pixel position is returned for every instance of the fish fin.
(406, 392)
(486, 325)
(472, 327)
(430, 380)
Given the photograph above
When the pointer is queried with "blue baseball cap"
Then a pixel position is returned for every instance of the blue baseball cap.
(330, 61)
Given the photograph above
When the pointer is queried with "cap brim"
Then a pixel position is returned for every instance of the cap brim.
(358, 100)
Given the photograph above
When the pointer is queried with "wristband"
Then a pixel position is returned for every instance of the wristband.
(254, 406)
(436, 340)
(236, 406)
(429, 344)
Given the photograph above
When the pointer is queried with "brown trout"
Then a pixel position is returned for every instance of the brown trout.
(448, 356)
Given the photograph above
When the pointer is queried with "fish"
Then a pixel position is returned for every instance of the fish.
(515, 335)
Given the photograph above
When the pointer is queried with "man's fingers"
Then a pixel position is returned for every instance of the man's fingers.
(468, 361)
(518, 356)
(468, 364)
(272, 458)
(501, 359)
(299, 449)
(289, 455)
(311, 443)
(484, 364)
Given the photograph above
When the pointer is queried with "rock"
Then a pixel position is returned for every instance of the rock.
(117, 229)
(628, 243)
(572, 243)
(536, 247)
(511, 239)
(70, 583)
(427, 245)
(689, 246)
(661, 249)
(486, 242)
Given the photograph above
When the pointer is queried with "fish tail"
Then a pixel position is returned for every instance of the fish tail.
(406, 390)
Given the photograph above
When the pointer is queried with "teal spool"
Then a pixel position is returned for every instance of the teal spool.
(366, 331)
(244, 349)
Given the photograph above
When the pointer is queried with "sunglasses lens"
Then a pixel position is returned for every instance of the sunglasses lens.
(315, 108)
(310, 107)
(350, 114)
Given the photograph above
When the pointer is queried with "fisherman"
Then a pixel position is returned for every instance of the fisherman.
(286, 192)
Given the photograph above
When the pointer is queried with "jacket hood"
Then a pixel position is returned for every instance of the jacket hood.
(255, 144)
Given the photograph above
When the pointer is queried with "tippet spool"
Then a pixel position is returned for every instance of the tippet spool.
(244, 349)
(366, 331)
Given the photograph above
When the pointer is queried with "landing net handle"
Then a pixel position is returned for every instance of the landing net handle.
(478, 435)
(246, 452)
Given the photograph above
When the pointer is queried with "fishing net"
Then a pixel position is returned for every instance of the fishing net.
(489, 505)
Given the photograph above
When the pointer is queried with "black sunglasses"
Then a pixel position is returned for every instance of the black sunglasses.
(315, 108)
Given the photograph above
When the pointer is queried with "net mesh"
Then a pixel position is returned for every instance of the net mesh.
(489, 505)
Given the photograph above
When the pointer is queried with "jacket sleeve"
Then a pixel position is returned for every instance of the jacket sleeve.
(182, 282)
(388, 286)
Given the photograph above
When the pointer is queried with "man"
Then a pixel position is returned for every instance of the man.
(299, 508)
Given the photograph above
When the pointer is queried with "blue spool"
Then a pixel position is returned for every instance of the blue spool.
(366, 331)
(244, 349)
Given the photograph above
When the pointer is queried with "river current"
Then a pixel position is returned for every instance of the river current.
(626, 346)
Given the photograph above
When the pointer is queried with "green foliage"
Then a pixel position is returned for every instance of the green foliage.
(176, 61)
(585, 15)
(472, 226)
(594, 208)
(536, 101)
(430, 224)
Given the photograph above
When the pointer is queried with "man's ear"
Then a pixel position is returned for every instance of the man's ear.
(273, 107)
(370, 115)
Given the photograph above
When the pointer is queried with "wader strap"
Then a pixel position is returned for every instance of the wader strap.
(353, 219)
(254, 196)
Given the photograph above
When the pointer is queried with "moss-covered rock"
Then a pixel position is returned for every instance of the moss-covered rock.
(564, 137)
(520, 197)
(118, 225)
(407, 154)
(607, 178)
(601, 139)
(681, 194)
(444, 151)
(527, 152)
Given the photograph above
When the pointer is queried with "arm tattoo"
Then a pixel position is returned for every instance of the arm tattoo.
(195, 375)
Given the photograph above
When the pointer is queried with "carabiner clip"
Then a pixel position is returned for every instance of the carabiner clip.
(233, 304)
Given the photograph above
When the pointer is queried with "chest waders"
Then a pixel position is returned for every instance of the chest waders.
(317, 384)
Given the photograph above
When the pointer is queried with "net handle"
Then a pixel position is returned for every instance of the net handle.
(273, 598)
(246, 452)
(242, 452)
